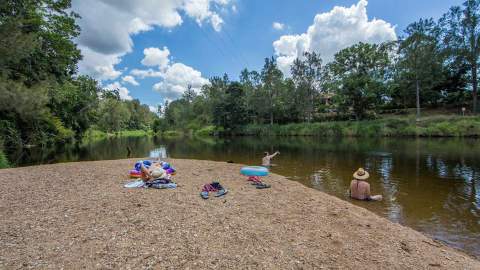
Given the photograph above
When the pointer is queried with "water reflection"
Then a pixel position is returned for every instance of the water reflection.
(430, 185)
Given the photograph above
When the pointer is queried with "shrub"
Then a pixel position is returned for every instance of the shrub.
(172, 133)
(206, 131)
(3, 160)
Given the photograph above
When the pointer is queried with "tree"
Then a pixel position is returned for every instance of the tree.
(234, 109)
(74, 102)
(37, 57)
(251, 84)
(114, 115)
(461, 26)
(271, 82)
(420, 58)
(357, 76)
(307, 76)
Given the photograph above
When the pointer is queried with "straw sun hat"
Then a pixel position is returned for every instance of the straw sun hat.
(361, 174)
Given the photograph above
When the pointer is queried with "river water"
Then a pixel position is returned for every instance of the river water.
(431, 185)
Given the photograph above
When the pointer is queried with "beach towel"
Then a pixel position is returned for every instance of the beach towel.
(161, 184)
(135, 184)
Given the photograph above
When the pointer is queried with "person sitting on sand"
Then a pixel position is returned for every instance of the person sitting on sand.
(360, 189)
(266, 160)
(154, 171)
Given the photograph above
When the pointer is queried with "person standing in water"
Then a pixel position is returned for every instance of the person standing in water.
(266, 160)
(360, 189)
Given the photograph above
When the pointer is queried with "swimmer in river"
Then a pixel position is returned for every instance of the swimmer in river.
(266, 160)
(360, 189)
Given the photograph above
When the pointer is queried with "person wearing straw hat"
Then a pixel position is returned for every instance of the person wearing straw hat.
(360, 189)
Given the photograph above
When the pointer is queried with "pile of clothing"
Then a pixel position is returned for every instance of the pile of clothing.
(156, 174)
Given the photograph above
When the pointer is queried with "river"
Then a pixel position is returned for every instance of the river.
(431, 185)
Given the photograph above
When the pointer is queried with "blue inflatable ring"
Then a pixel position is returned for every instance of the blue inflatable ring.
(254, 171)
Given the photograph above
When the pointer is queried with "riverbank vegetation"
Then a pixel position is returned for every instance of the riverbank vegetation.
(43, 100)
(439, 126)
(433, 66)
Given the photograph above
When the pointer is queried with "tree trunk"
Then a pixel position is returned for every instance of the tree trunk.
(475, 87)
(418, 99)
(271, 118)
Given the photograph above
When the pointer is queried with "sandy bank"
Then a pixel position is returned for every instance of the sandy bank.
(78, 215)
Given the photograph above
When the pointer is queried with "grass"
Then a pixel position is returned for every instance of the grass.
(3, 160)
(393, 126)
(134, 133)
(173, 134)
(206, 131)
(94, 134)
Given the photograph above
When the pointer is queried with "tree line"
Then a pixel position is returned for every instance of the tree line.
(42, 99)
(433, 65)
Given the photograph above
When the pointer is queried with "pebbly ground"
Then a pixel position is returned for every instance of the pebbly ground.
(78, 215)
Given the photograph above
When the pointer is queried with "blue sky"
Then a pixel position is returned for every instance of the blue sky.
(197, 39)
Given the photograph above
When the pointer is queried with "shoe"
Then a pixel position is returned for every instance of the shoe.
(221, 193)
(262, 186)
(204, 195)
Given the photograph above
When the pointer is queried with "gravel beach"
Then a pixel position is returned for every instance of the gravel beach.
(78, 215)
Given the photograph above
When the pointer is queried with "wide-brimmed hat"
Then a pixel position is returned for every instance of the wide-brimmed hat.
(361, 174)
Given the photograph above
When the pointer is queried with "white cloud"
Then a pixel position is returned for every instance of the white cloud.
(176, 80)
(152, 108)
(217, 22)
(122, 90)
(175, 77)
(138, 26)
(149, 73)
(130, 79)
(98, 65)
(156, 57)
(234, 9)
(107, 27)
(331, 32)
(278, 26)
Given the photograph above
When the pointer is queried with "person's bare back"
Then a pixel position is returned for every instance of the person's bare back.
(360, 189)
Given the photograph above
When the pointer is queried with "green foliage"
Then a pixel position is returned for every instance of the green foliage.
(433, 65)
(74, 102)
(159, 125)
(113, 115)
(461, 38)
(357, 77)
(172, 133)
(206, 131)
(3, 160)
(387, 127)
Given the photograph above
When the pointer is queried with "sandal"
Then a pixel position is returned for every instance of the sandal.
(204, 194)
(221, 193)
(262, 186)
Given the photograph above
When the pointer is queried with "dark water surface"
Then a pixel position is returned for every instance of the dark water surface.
(431, 185)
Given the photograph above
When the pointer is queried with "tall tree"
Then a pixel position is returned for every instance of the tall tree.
(420, 58)
(251, 84)
(307, 76)
(271, 82)
(37, 56)
(357, 76)
(461, 27)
